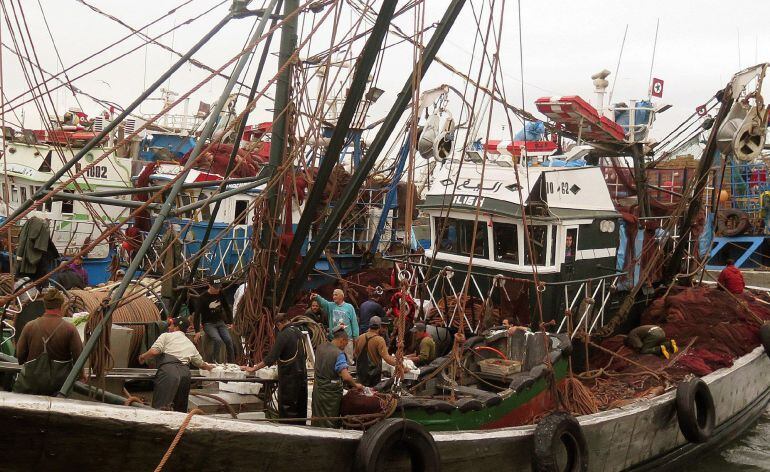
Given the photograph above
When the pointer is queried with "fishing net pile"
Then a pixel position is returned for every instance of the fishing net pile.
(712, 328)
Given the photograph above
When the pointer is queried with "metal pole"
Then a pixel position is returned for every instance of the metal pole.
(104, 200)
(43, 190)
(230, 164)
(158, 222)
(359, 81)
(154, 188)
(278, 135)
(378, 144)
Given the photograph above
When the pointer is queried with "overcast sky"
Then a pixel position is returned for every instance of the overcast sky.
(564, 42)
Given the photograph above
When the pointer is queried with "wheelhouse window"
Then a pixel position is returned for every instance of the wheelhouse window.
(240, 212)
(538, 238)
(455, 236)
(506, 240)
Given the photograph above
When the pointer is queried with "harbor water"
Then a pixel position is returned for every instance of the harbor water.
(750, 452)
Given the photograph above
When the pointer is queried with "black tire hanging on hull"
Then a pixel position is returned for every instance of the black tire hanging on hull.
(396, 434)
(558, 432)
(695, 410)
(764, 336)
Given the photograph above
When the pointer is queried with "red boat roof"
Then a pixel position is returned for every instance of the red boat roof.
(577, 116)
(513, 148)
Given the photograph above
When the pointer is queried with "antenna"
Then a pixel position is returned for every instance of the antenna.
(617, 67)
(652, 62)
(738, 32)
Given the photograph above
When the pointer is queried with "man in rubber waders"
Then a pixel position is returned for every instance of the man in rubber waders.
(370, 351)
(289, 353)
(651, 339)
(331, 370)
(731, 278)
(46, 349)
(175, 354)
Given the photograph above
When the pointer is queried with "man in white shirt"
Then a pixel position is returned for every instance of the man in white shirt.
(177, 353)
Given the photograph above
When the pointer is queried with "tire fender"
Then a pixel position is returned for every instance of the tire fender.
(695, 410)
(764, 336)
(397, 434)
(554, 433)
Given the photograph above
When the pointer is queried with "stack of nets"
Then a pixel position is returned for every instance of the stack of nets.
(720, 326)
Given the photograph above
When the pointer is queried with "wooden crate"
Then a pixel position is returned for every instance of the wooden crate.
(500, 366)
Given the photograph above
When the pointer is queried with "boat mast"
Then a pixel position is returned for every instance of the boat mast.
(674, 263)
(360, 78)
(165, 210)
(350, 193)
(279, 138)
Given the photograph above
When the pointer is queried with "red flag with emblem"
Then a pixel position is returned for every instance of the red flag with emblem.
(657, 88)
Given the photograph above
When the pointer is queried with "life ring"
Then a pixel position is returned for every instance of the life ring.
(392, 434)
(559, 435)
(740, 225)
(695, 410)
(764, 336)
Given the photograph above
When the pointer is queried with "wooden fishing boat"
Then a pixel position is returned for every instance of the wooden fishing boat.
(644, 435)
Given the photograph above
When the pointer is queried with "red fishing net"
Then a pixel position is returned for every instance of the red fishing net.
(717, 326)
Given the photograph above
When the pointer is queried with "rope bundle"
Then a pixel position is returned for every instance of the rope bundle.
(131, 309)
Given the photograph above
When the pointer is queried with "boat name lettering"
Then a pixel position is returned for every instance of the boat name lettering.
(467, 200)
(97, 172)
(23, 170)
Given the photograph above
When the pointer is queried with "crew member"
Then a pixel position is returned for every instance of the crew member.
(211, 311)
(340, 313)
(731, 278)
(368, 309)
(651, 339)
(172, 380)
(316, 313)
(46, 349)
(76, 265)
(289, 353)
(426, 349)
(331, 369)
(370, 351)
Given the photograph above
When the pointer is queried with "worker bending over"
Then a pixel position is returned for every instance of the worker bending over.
(177, 353)
(426, 347)
(331, 369)
(289, 353)
(651, 339)
(731, 278)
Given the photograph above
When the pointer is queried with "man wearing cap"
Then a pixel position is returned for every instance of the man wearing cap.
(331, 369)
(370, 351)
(46, 349)
(426, 350)
(172, 380)
(288, 352)
(211, 312)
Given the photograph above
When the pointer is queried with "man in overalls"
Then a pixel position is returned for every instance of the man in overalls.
(46, 349)
(289, 353)
(172, 380)
(331, 369)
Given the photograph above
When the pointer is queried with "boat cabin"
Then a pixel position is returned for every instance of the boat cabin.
(571, 231)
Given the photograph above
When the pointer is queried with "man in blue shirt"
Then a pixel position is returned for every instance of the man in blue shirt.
(331, 369)
(340, 313)
(369, 308)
